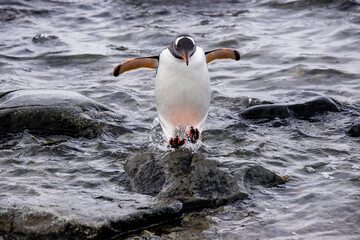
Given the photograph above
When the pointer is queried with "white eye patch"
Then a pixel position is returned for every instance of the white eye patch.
(178, 39)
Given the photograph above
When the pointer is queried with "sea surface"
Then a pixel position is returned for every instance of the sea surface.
(287, 48)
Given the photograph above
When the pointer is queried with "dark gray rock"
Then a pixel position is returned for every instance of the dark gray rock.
(193, 179)
(51, 112)
(354, 131)
(147, 174)
(306, 110)
(258, 175)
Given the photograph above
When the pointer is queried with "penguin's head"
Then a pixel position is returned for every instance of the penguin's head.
(183, 47)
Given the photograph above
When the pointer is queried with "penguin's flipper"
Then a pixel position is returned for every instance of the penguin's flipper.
(143, 62)
(222, 53)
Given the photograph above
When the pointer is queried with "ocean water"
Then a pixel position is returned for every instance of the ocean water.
(287, 48)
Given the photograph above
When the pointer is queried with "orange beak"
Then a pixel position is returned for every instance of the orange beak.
(185, 57)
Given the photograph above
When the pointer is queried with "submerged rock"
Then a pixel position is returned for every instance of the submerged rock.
(191, 178)
(354, 130)
(51, 112)
(306, 110)
(258, 175)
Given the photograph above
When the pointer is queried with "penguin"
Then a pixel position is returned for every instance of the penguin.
(182, 86)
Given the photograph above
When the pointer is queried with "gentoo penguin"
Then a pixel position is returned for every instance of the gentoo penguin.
(182, 87)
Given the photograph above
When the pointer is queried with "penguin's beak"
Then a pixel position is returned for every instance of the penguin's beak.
(185, 55)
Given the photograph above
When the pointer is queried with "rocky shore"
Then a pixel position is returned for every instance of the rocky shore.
(155, 187)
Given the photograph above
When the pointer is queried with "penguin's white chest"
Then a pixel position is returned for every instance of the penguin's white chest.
(182, 92)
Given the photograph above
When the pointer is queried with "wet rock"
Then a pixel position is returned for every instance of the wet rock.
(51, 112)
(258, 175)
(193, 179)
(280, 123)
(147, 175)
(354, 130)
(306, 110)
(42, 38)
(190, 178)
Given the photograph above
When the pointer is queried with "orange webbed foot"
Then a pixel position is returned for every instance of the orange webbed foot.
(176, 142)
(194, 135)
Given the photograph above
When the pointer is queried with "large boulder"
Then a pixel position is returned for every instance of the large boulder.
(51, 112)
(193, 179)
